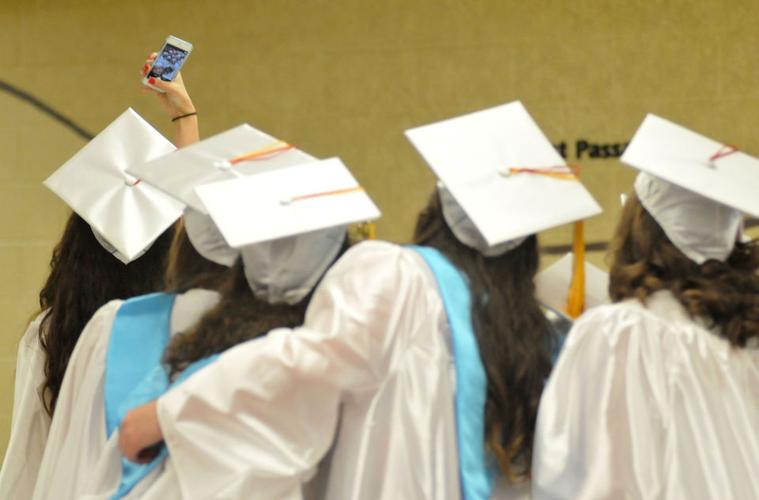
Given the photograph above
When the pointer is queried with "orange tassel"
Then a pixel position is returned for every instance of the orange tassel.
(565, 172)
(264, 153)
(321, 194)
(576, 298)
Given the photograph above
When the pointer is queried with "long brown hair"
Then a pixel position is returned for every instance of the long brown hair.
(238, 317)
(514, 337)
(188, 269)
(84, 276)
(644, 261)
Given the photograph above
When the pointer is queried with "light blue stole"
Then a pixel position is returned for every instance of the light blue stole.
(134, 374)
(475, 476)
(139, 336)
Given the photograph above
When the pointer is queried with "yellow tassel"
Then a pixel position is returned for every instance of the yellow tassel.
(576, 299)
(363, 231)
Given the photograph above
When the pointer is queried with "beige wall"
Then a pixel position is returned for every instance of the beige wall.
(346, 77)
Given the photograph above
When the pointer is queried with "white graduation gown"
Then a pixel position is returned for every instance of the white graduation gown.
(77, 436)
(645, 403)
(30, 424)
(355, 405)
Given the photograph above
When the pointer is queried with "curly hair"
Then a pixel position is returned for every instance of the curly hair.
(514, 337)
(644, 261)
(83, 277)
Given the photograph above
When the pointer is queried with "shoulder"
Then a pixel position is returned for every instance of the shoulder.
(106, 313)
(98, 328)
(149, 299)
(378, 263)
(615, 322)
(31, 338)
(375, 281)
(623, 333)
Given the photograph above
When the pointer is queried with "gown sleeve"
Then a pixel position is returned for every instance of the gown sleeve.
(77, 434)
(261, 418)
(600, 431)
(30, 423)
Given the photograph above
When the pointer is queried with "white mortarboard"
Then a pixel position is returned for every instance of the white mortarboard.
(286, 201)
(125, 214)
(552, 284)
(504, 174)
(239, 151)
(693, 186)
(288, 223)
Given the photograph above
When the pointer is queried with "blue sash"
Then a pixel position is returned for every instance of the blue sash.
(153, 386)
(134, 374)
(139, 336)
(471, 381)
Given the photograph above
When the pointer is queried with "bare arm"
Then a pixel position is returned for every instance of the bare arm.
(177, 103)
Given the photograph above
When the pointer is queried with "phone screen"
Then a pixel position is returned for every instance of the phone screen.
(168, 62)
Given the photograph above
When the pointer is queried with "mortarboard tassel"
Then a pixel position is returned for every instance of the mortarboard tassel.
(264, 153)
(724, 150)
(368, 230)
(576, 298)
(310, 196)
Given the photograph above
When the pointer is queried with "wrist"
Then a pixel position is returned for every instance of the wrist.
(184, 116)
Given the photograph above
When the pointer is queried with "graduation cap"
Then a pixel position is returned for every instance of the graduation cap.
(237, 152)
(286, 201)
(693, 186)
(507, 179)
(503, 172)
(288, 223)
(125, 214)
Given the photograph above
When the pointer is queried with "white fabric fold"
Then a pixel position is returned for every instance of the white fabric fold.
(701, 228)
(207, 239)
(31, 423)
(645, 403)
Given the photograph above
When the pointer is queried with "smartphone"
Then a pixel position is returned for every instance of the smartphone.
(170, 59)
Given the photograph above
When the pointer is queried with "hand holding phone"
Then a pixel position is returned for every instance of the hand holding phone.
(169, 61)
(173, 98)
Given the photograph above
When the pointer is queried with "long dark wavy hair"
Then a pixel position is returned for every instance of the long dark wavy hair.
(514, 337)
(238, 317)
(83, 277)
(644, 261)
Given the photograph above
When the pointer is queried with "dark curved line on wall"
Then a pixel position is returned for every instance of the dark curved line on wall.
(45, 109)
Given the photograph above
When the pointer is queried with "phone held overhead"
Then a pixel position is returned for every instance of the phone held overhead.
(169, 61)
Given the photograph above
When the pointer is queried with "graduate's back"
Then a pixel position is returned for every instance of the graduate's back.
(655, 396)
